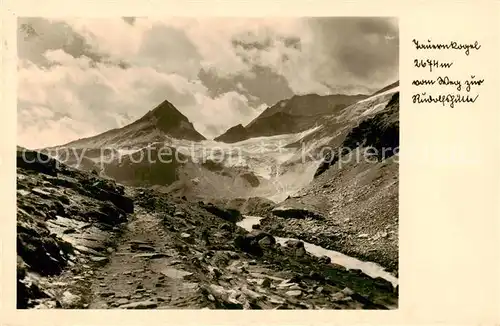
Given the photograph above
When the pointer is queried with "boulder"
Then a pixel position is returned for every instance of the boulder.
(70, 300)
(296, 212)
(248, 244)
(266, 242)
(294, 293)
(261, 235)
(187, 237)
(230, 215)
(254, 242)
(122, 202)
(42, 253)
(325, 260)
(293, 243)
(300, 252)
(148, 304)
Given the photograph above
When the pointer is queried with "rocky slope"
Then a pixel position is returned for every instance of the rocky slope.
(293, 115)
(87, 242)
(64, 217)
(352, 204)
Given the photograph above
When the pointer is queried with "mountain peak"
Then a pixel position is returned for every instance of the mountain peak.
(166, 112)
(163, 120)
(233, 134)
(166, 118)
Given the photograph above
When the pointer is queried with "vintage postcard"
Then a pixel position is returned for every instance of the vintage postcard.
(205, 156)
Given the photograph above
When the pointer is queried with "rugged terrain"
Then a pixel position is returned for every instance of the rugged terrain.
(352, 204)
(86, 242)
(101, 225)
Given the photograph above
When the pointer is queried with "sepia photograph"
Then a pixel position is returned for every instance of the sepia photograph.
(208, 163)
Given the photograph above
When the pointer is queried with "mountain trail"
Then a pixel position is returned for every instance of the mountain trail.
(145, 271)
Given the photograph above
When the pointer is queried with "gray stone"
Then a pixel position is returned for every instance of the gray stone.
(286, 284)
(266, 282)
(179, 214)
(148, 304)
(143, 247)
(123, 296)
(70, 300)
(122, 301)
(152, 255)
(347, 291)
(175, 273)
(163, 299)
(338, 296)
(294, 293)
(23, 192)
(325, 259)
(292, 243)
(301, 252)
(266, 242)
(41, 193)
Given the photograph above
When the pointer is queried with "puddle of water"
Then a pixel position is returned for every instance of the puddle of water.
(248, 221)
(369, 268)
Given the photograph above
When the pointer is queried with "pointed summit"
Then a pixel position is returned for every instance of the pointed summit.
(155, 126)
(165, 117)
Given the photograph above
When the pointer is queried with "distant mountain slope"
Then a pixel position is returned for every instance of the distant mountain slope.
(164, 120)
(292, 115)
(269, 166)
(310, 105)
(233, 134)
(354, 193)
(386, 88)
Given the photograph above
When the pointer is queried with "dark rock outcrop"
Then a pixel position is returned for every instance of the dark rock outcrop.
(62, 213)
(296, 212)
(255, 242)
(36, 161)
(380, 133)
(231, 215)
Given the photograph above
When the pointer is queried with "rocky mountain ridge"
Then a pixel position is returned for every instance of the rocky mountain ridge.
(292, 115)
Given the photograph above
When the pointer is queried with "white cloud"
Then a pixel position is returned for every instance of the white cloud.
(101, 34)
(77, 97)
(100, 97)
(219, 114)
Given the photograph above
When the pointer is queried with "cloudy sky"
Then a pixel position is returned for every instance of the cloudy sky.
(80, 77)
